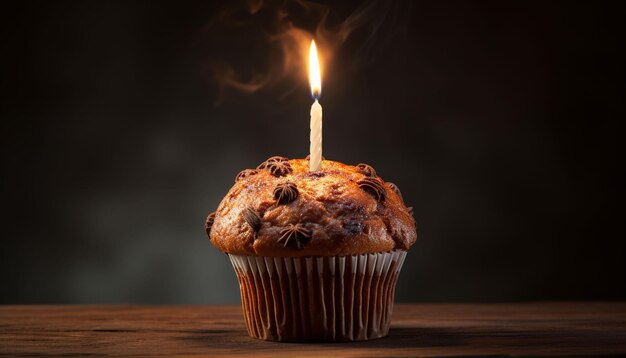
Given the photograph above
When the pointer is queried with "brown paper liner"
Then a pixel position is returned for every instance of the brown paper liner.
(348, 298)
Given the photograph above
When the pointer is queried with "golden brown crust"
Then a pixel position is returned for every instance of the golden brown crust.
(339, 211)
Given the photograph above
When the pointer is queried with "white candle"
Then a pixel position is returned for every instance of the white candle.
(315, 79)
(315, 161)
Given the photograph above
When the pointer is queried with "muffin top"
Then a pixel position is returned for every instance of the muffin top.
(281, 209)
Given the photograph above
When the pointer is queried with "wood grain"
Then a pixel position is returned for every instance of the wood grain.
(529, 329)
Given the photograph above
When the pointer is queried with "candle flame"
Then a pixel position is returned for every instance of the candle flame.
(315, 78)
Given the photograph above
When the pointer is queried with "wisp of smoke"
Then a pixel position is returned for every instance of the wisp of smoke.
(258, 44)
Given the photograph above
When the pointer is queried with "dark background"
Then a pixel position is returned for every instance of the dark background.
(502, 123)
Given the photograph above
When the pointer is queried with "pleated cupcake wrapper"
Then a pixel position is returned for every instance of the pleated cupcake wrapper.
(343, 298)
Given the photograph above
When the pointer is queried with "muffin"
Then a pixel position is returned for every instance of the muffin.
(317, 254)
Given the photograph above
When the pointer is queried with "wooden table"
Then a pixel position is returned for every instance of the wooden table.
(525, 329)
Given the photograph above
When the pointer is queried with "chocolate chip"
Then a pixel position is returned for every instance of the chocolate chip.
(208, 224)
(374, 187)
(252, 218)
(353, 227)
(366, 170)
